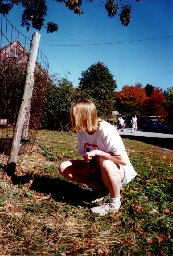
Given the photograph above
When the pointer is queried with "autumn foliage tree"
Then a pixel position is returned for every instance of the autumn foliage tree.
(154, 104)
(141, 101)
(34, 12)
(130, 100)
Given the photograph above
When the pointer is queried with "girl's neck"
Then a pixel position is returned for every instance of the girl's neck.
(91, 133)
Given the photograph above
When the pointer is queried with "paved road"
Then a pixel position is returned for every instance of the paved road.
(165, 141)
(127, 131)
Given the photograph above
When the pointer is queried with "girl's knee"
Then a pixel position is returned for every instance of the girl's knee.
(107, 165)
(109, 168)
(63, 166)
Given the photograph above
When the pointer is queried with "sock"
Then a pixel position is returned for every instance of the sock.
(114, 200)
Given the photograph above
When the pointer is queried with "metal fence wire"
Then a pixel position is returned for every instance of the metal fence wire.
(14, 52)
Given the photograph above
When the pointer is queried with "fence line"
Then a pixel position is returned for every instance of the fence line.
(14, 53)
(9, 33)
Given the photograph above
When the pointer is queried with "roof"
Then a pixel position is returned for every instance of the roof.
(18, 54)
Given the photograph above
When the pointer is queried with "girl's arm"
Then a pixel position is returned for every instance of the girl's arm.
(107, 156)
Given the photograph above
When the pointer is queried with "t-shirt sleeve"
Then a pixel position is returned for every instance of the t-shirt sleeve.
(113, 141)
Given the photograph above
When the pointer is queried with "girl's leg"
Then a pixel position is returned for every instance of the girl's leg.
(112, 176)
(75, 170)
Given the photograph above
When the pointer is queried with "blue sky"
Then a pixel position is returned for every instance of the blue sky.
(140, 53)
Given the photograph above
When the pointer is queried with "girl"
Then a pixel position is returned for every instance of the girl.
(99, 142)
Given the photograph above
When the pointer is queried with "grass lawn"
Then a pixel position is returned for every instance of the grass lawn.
(43, 214)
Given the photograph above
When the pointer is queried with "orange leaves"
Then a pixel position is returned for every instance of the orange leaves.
(130, 98)
(168, 211)
(138, 208)
(159, 238)
(134, 98)
(126, 242)
(103, 251)
(61, 156)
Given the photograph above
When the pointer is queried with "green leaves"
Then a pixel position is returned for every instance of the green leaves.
(3, 199)
(125, 15)
(111, 8)
(97, 83)
(57, 105)
(5, 8)
(52, 27)
(34, 12)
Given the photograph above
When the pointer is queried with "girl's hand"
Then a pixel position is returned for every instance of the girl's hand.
(89, 155)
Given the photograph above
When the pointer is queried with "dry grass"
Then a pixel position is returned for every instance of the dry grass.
(43, 214)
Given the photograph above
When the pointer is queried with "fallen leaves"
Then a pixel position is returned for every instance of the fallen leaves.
(138, 208)
(159, 238)
(167, 211)
(34, 216)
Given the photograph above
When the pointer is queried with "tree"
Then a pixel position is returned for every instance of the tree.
(149, 89)
(169, 104)
(50, 108)
(154, 103)
(138, 85)
(136, 100)
(35, 11)
(12, 81)
(98, 84)
(130, 100)
(57, 105)
(66, 95)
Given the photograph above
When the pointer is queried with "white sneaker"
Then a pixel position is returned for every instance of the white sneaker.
(97, 200)
(104, 209)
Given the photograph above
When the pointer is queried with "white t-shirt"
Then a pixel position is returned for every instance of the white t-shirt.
(121, 121)
(106, 139)
(134, 120)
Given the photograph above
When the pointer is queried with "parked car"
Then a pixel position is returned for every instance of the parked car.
(156, 126)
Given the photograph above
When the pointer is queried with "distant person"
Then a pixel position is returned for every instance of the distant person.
(105, 159)
(121, 123)
(134, 122)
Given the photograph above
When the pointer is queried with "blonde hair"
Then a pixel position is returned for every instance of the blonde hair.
(84, 116)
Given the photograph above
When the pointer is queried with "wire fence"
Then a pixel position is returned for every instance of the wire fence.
(14, 53)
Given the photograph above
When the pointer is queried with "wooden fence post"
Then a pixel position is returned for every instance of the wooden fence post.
(26, 100)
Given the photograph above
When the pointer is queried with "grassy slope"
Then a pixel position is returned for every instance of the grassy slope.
(43, 214)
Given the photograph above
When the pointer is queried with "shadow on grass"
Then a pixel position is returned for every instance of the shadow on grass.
(161, 142)
(59, 189)
(62, 190)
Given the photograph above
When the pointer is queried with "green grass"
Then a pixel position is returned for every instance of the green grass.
(43, 214)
